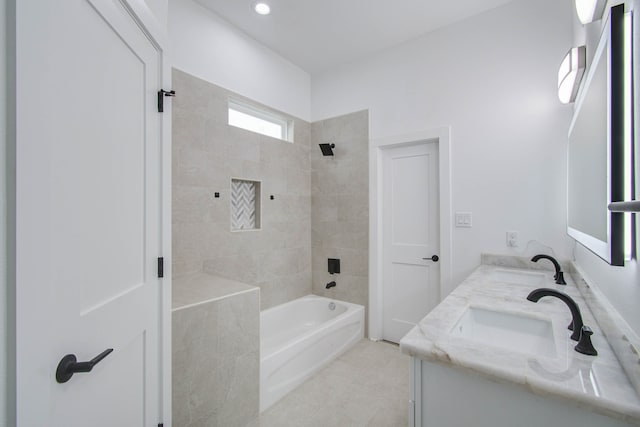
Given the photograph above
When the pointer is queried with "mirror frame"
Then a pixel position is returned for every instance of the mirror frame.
(611, 49)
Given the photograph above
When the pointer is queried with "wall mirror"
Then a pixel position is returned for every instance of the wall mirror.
(599, 149)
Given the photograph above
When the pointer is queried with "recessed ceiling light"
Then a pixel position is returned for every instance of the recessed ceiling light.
(262, 8)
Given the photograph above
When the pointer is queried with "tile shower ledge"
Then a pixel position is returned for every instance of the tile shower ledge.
(199, 288)
(597, 382)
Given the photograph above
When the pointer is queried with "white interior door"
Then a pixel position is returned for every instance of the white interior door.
(410, 222)
(89, 224)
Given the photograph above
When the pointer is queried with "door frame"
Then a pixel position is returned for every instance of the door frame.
(157, 33)
(442, 137)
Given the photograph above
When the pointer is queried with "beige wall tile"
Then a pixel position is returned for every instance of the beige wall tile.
(207, 153)
(276, 292)
(215, 362)
(340, 207)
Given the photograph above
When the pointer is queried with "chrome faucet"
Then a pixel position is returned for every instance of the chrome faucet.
(581, 332)
(559, 276)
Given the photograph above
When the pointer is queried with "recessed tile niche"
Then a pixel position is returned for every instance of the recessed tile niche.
(245, 205)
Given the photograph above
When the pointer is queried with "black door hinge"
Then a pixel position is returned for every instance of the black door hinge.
(161, 267)
(161, 94)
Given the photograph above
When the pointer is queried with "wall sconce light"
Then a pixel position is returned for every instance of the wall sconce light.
(590, 10)
(570, 74)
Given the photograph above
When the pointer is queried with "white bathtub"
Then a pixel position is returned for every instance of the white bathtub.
(299, 338)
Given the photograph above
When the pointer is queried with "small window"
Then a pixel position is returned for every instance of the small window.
(264, 122)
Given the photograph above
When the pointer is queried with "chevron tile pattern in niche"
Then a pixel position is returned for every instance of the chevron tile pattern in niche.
(243, 205)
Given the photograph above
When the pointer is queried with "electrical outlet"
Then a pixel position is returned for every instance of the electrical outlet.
(512, 239)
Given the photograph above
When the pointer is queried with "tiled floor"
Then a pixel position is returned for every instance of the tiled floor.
(367, 386)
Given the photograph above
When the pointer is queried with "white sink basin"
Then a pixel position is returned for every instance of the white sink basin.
(519, 277)
(509, 331)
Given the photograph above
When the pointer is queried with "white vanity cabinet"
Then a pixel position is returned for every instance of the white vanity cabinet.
(446, 396)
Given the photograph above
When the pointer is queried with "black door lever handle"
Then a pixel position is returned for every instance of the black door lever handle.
(69, 365)
(434, 258)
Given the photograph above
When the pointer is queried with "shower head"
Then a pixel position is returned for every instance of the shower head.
(327, 149)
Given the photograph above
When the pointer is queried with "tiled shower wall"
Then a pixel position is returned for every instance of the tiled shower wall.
(216, 362)
(207, 154)
(340, 207)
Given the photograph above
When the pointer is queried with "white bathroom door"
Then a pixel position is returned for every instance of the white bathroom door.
(89, 216)
(411, 242)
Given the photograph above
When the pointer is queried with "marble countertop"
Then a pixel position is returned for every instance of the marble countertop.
(199, 288)
(596, 381)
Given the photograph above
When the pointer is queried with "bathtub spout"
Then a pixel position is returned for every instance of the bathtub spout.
(331, 285)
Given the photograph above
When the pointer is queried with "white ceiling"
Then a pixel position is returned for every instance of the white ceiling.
(320, 34)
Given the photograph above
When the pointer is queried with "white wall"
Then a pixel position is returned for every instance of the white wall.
(206, 46)
(621, 285)
(160, 9)
(492, 78)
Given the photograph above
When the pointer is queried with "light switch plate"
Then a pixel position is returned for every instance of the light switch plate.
(464, 219)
